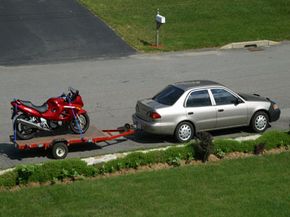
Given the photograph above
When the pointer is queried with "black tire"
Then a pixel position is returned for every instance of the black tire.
(127, 127)
(259, 122)
(23, 132)
(59, 150)
(79, 128)
(184, 132)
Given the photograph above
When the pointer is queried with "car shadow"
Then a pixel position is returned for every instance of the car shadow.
(146, 138)
(232, 132)
(143, 137)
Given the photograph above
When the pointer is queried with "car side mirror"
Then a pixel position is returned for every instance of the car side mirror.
(237, 101)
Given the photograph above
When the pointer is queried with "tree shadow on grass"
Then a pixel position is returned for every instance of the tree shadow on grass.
(145, 43)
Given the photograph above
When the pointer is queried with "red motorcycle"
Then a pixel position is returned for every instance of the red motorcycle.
(57, 111)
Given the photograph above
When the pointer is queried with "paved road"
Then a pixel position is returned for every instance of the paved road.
(42, 31)
(110, 89)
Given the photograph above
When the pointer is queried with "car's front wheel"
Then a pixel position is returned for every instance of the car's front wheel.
(260, 122)
(184, 132)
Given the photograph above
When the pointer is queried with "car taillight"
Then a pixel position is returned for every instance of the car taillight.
(155, 115)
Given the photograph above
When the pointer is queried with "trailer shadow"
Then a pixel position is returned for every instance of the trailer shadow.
(8, 150)
(139, 139)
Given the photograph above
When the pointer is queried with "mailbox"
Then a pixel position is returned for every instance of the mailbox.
(160, 19)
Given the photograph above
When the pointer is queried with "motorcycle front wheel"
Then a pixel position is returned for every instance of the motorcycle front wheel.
(80, 123)
(23, 132)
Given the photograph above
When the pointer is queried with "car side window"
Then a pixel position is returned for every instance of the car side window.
(198, 99)
(223, 97)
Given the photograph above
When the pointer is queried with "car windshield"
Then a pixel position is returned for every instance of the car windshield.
(169, 95)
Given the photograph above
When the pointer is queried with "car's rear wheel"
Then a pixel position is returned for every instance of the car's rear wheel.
(184, 132)
(260, 122)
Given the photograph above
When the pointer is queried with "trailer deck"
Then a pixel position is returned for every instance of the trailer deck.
(59, 143)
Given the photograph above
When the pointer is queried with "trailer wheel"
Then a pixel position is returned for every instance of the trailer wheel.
(127, 127)
(59, 150)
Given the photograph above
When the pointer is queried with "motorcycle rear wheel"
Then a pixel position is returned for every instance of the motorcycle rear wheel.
(80, 124)
(23, 132)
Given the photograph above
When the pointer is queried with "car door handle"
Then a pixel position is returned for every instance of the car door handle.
(220, 110)
(190, 113)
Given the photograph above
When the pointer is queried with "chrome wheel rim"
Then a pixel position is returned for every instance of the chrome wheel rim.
(60, 152)
(80, 122)
(261, 122)
(184, 132)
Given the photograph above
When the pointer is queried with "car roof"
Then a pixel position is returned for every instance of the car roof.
(185, 85)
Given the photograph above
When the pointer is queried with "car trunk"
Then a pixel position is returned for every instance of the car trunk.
(144, 107)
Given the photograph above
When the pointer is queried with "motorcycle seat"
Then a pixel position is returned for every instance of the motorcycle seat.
(43, 108)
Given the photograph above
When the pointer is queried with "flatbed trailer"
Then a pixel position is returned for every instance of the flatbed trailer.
(59, 143)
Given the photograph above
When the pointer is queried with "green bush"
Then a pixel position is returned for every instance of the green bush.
(53, 170)
(25, 172)
(274, 139)
(229, 145)
(271, 139)
(184, 153)
(174, 161)
(171, 156)
(220, 153)
(8, 179)
(73, 168)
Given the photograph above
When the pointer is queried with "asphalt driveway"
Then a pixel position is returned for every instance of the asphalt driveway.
(42, 31)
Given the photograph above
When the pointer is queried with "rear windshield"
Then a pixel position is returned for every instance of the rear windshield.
(169, 95)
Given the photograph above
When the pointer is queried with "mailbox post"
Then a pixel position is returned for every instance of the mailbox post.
(159, 21)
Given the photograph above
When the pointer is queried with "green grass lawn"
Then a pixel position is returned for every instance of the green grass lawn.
(195, 23)
(256, 186)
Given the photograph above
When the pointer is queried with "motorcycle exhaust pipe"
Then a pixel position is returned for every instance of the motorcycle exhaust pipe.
(33, 125)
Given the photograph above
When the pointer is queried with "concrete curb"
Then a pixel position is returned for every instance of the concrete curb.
(247, 44)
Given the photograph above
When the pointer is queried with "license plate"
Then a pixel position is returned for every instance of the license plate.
(138, 125)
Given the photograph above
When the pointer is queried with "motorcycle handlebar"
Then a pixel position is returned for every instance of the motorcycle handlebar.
(73, 93)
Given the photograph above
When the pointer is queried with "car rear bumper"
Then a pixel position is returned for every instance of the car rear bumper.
(153, 127)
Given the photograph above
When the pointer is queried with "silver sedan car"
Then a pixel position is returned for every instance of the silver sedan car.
(184, 108)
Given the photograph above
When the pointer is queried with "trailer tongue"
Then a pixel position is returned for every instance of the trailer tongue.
(59, 143)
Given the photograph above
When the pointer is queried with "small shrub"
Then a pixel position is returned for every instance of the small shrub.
(8, 179)
(204, 147)
(219, 153)
(174, 161)
(72, 174)
(101, 170)
(189, 158)
(134, 160)
(259, 149)
(24, 173)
